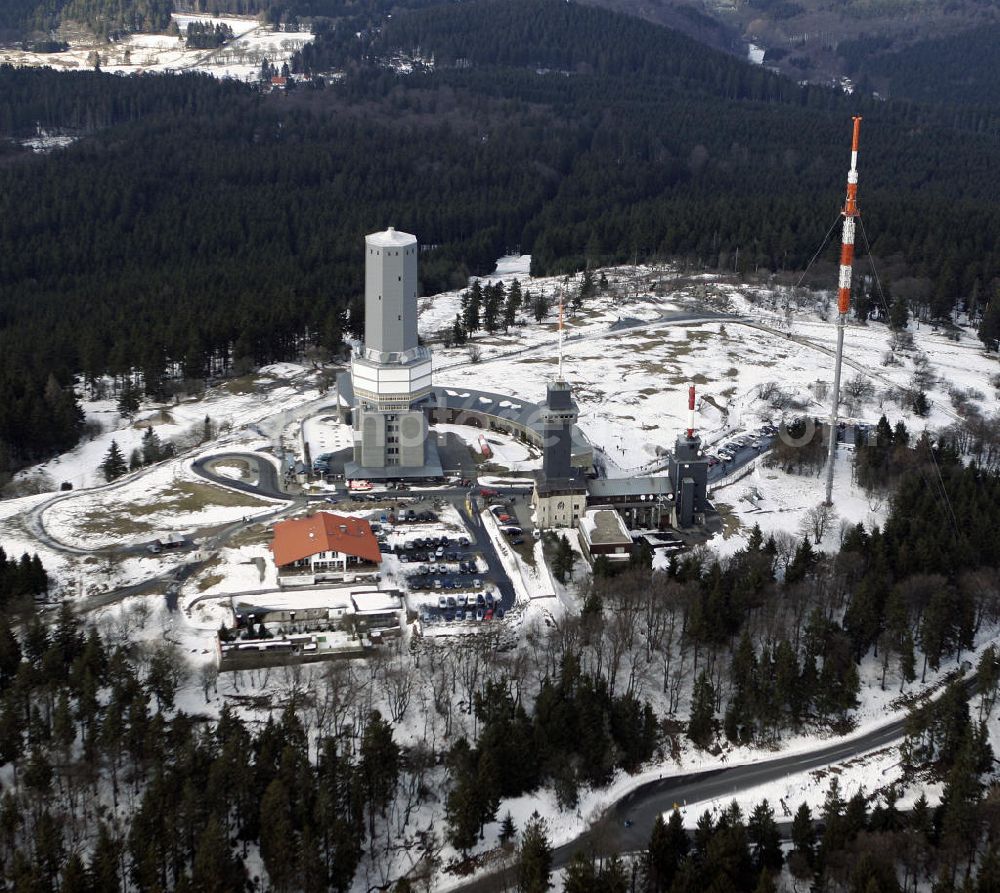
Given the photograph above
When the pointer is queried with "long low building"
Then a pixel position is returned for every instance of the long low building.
(645, 502)
(486, 410)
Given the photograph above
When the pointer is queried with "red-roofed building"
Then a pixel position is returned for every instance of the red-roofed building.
(324, 542)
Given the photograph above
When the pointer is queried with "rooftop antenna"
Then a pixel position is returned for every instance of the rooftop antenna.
(843, 297)
(690, 410)
(560, 334)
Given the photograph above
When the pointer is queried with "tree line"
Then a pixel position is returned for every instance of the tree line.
(20, 578)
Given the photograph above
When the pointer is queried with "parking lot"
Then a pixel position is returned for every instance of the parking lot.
(448, 575)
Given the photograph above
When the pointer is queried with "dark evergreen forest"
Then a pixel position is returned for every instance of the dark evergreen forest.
(198, 225)
(101, 16)
(960, 69)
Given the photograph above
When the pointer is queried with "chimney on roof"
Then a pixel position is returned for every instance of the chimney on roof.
(343, 528)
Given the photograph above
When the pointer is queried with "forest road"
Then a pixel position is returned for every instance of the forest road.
(640, 807)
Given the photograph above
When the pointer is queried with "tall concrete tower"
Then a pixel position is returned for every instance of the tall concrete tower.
(390, 292)
(391, 373)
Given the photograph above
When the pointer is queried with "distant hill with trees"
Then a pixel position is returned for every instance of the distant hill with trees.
(101, 16)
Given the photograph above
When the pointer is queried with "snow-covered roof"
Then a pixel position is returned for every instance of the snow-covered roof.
(376, 602)
(604, 526)
(390, 238)
(652, 486)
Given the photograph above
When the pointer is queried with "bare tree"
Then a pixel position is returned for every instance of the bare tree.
(817, 521)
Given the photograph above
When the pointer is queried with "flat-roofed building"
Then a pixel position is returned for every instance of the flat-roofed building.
(603, 532)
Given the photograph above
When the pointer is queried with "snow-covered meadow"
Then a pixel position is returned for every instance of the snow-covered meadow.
(239, 59)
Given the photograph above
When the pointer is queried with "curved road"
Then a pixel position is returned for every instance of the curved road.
(641, 806)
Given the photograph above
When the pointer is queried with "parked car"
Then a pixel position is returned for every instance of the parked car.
(442, 602)
(486, 492)
(438, 584)
(480, 613)
(451, 601)
(477, 583)
(517, 541)
(463, 541)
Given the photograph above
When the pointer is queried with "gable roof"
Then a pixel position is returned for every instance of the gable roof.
(299, 538)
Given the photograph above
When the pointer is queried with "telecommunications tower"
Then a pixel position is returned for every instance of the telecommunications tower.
(843, 298)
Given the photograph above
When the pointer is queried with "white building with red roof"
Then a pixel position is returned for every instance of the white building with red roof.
(322, 543)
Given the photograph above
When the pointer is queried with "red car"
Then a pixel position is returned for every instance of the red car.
(486, 492)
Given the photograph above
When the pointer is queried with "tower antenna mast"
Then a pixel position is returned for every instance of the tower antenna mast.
(843, 298)
(560, 334)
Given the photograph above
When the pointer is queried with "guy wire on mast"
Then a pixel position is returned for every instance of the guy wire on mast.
(850, 212)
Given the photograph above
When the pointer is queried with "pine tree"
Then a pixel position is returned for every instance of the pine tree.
(10, 653)
(113, 465)
(463, 807)
(152, 450)
(765, 841)
(804, 833)
(513, 305)
(128, 400)
(581, 875)
(701, 724)
(540, 307)
(472, 306)
(534, 864)
(668, 845)
(508, 830)
(586, 290)
(277, 835)
(899, 314)
(379, 767)
(989, 325)
(765, 883)
(215, 868)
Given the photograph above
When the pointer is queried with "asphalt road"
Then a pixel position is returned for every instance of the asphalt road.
(641, 807)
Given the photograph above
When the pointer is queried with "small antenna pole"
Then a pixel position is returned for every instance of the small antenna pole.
(843, 298)
(560, 334)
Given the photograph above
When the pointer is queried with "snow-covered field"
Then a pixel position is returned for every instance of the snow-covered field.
(241, 58)
(630, 383)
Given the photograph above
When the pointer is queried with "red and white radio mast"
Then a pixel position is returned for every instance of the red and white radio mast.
(843, 297)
